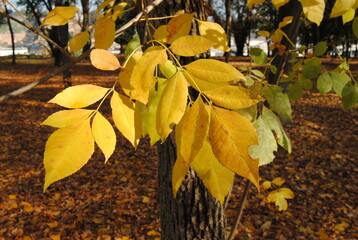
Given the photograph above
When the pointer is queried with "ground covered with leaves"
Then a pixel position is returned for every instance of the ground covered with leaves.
(119, 200)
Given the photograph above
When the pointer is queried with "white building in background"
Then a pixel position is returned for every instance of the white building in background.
(259, 42)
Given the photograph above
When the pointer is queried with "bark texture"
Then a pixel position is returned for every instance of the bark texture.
(194, 214)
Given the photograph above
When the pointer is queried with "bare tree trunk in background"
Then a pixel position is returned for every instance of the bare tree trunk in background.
(13, 61)
(85, 21)
(194, 214)
(292, 8)
(228, 5)
(60, 36)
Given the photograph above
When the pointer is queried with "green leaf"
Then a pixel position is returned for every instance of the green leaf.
(273, 69)
(267, 143)
(279, 102)
(339, 80)
(306, 83)
(132, 45)
(324, 82)
(311, 68)
(258, 56)
(349, 95)
(320, 49)
(295, 91)
(355, 26)
(275, 125)
(344, 65)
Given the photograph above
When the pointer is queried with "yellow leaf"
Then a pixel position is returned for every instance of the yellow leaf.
(286, 20)
(161, 33)
(126, 72)
(104, 135)
(277, 36)
(104, 33)
(264, 33)
(119, 10)
(313, 10)
(279, 197)
(152, 111)
(216, 178)
(65, 118)
(214, 71)
(265, 185)
(232, 97)
(60, 16)
(215, 33)
(341, 7)
(55, 237)
(138, 121)
(201, 84)
(252, 3)
(67, 150)
(104, 60)
(142, 79)
(103, 5)
(123, 116)
(79, 41)
(172, 104)
(79, 96)
(191, 45)
(231, 135)
(348, 16)
(190, 135)
(52, 224)
(278, 181)
(12, 197)
(179, 26)
(279, 3)
(168, 69)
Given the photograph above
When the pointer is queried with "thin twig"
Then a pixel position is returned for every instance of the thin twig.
(240, 210)
(67, 66)
(228, 195)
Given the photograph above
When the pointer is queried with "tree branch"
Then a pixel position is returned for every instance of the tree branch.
(67, 66)
(240, 210)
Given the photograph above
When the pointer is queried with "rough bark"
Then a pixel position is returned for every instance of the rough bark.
(194, 214)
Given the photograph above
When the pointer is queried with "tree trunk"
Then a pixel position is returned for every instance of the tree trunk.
(228, 5)
(194, 214)
(12, 37)
(85, 21)
(60, 36)
(292, 8)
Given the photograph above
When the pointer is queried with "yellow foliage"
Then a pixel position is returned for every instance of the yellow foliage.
(123, 116)
(104, 33)
(190, 135)
(172, 105)
(104, 135)
(232, 97)
(216, 178)
(126, 72)
(79, 41)
(191, 45)
(215, 33)
(313, 10)
(142, 79)
(65, 118)
(63, 156)
(279, 197)
(231, 135)
(60, 16)
(341, 7)
(104, 60)
(179, 26)
(79, 96)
